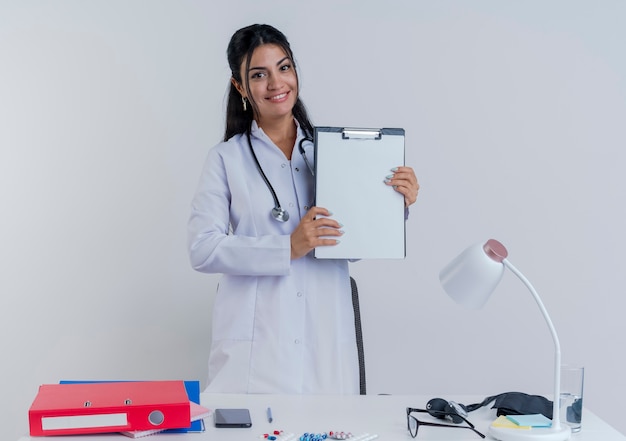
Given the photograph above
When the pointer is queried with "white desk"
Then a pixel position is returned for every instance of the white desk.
(383, 415)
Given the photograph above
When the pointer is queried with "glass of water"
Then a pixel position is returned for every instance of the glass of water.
(571, 400)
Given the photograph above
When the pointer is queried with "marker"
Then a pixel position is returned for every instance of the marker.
(269, 415)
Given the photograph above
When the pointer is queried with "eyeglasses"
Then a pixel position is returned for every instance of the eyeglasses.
(413, 423)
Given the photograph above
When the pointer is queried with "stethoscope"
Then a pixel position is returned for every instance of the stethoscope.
(278, 212)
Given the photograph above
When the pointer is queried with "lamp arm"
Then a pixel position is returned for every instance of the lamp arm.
(556, 421)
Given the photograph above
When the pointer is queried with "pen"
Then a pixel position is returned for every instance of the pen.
(269, 415)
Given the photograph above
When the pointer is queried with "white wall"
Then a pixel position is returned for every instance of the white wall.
(514, 114)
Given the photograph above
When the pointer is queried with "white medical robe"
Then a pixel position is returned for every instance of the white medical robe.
(279, 325)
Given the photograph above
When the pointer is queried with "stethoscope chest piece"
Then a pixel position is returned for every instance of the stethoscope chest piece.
(279, 214)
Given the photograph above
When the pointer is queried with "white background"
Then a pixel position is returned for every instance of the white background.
(514, 114)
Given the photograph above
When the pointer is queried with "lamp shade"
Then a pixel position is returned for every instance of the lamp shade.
(473, 275)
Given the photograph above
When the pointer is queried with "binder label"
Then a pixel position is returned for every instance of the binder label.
(84, 421)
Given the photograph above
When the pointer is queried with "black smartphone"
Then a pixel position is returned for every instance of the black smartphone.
(232, 418)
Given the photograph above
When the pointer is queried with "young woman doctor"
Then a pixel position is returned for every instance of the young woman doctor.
(283, 321)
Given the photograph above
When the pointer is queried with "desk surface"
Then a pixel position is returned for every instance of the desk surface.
(382, 415)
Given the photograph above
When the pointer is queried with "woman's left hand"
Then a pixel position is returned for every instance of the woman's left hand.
(404, 181)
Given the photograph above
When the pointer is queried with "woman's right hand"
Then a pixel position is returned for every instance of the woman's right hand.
(313, 231)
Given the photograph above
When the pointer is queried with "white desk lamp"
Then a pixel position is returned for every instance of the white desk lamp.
(470, 279)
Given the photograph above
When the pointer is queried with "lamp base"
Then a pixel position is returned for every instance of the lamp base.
(536, 434)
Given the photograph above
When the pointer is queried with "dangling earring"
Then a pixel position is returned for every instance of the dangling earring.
(245, 103)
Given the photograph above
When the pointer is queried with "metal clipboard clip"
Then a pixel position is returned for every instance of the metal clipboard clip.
(361, 134)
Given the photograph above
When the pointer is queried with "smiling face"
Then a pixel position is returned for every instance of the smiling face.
(270, 84)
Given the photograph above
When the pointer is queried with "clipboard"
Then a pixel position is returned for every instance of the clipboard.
(350, 168)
